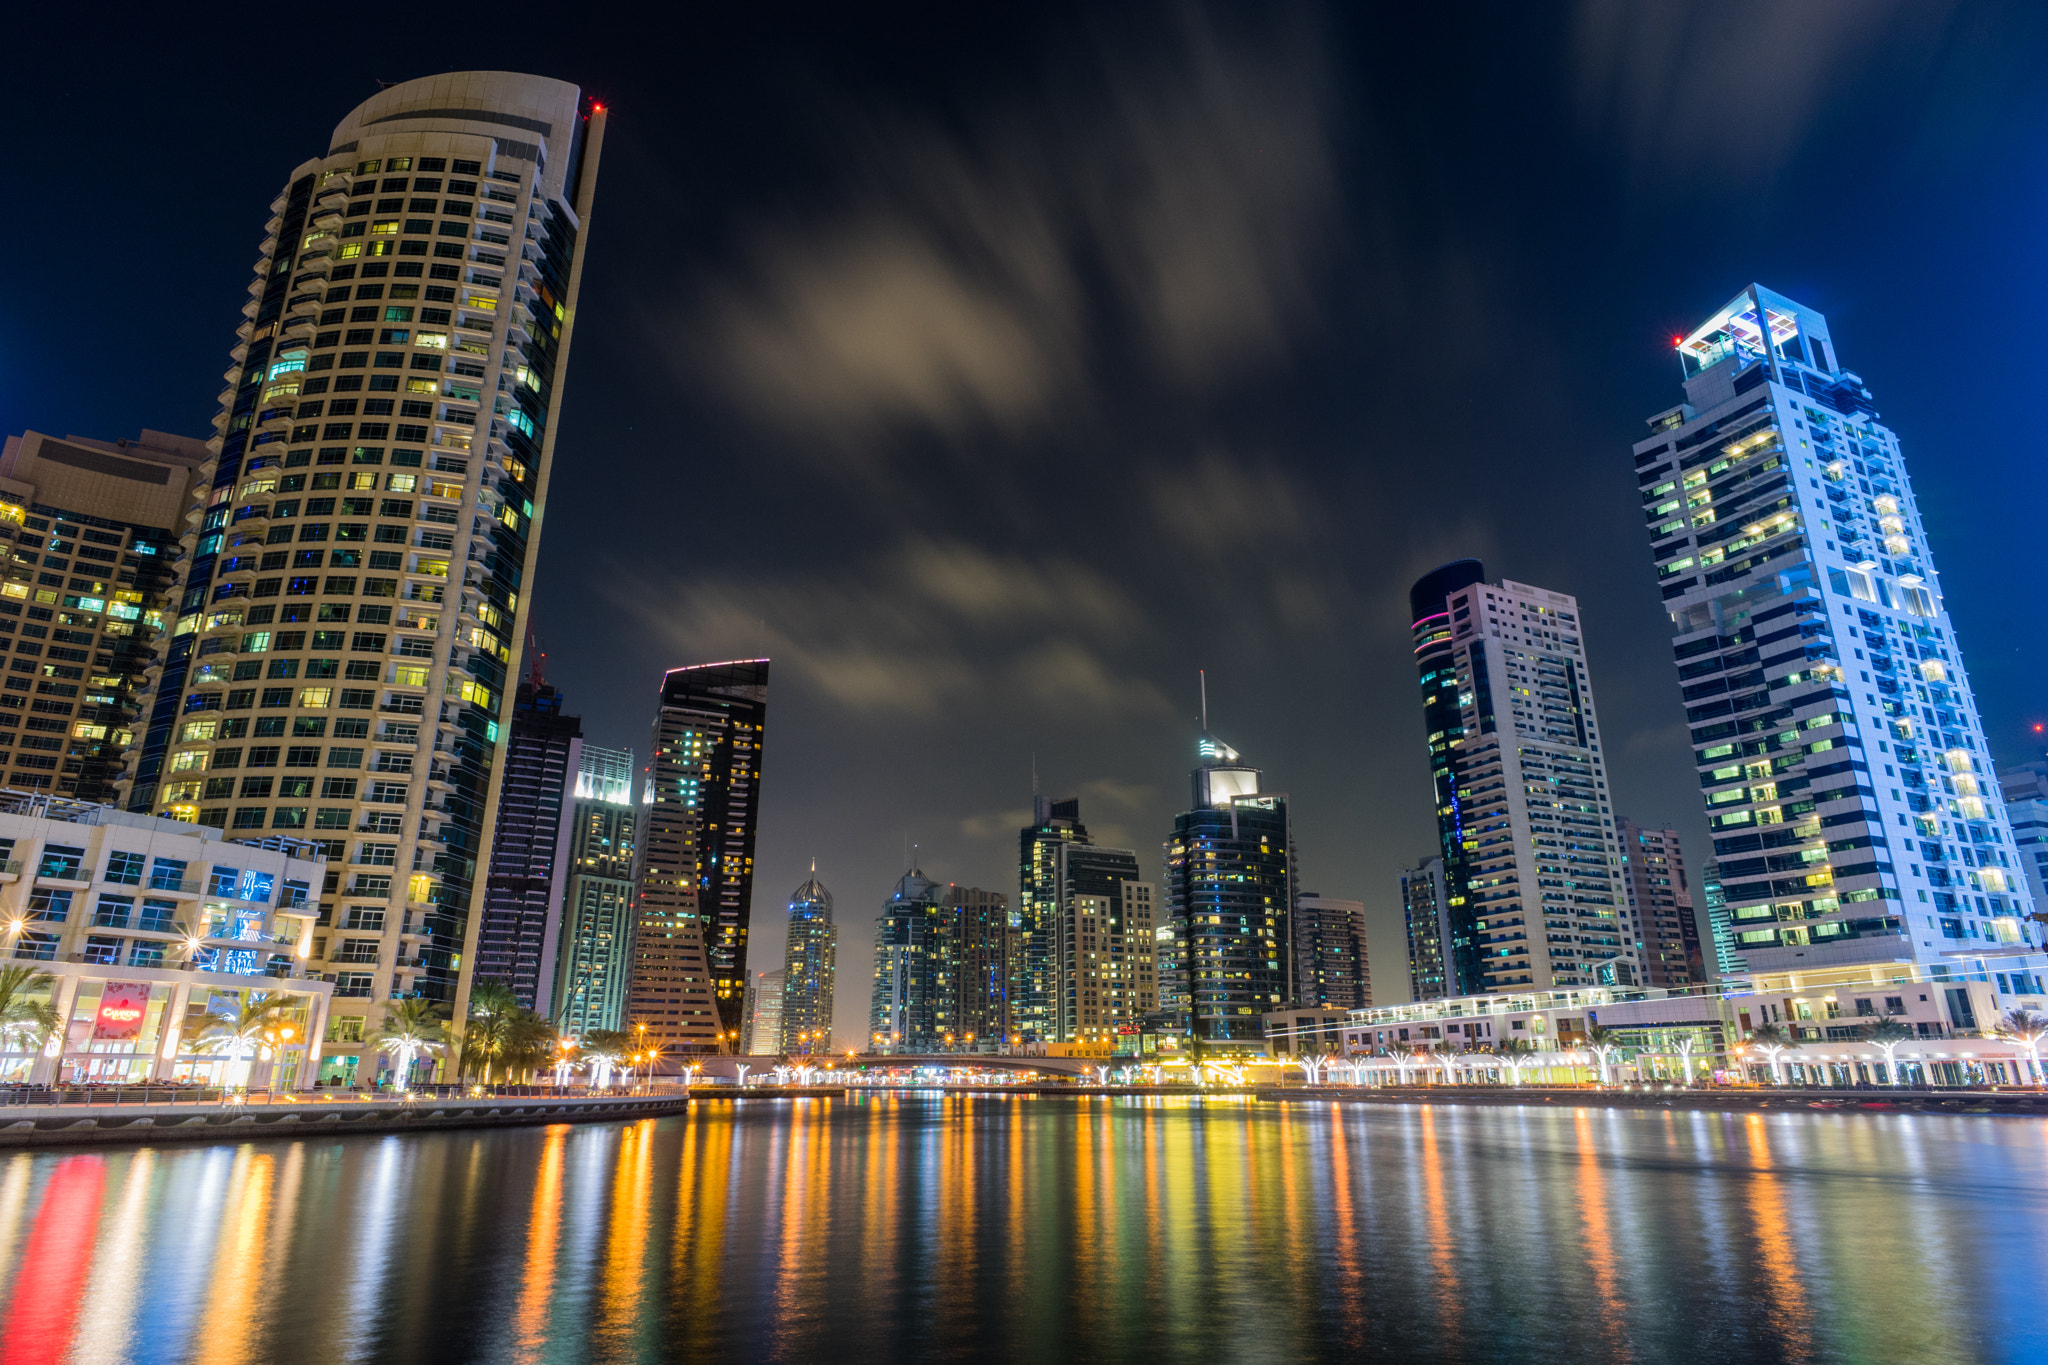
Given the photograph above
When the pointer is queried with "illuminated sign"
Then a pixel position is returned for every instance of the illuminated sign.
(122, 1006)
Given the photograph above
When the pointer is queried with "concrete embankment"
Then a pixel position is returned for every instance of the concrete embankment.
(68, 1125)
(2030, 1103)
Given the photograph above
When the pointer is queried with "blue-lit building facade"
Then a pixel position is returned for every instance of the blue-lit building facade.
(810, 970)
(1847, 782)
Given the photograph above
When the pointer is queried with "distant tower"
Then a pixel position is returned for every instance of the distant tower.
(911, 1009)
(1033, 993)
(981, 952)
(1660, 906)
(809, 969)
(1331, 967)
(1429, 929)
(597, 902)
(1225, 956)
(696, 882)
(521, 928)
(766, 999)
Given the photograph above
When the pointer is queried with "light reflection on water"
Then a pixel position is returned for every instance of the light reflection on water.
(918, 1226)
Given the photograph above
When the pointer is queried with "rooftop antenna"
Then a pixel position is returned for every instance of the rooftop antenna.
(1203, 674)
(1034, 775)
(533, 651)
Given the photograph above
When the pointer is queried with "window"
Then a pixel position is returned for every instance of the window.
(36, 947)
(288, 817)
(60, 862)
(159, 915)
(113, 912)
(168, 874)
(338, 788)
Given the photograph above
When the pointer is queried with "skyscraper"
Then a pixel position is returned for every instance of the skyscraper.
(1426, 913)
(1532, 867)
(982, 953)
(1105, 953)
(1033, 1011)
(1331, 966)
(521, 931)
(766, 999)
(387, 433)
(1225, 960)
(911, 1009)
(696, 887)
(1660, 917)
(1847, 781)
(810, 969)
(90, 594)
(597, 901)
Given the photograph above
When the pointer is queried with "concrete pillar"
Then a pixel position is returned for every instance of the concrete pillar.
(316, 1039)
(63, 996)
(172, 1032)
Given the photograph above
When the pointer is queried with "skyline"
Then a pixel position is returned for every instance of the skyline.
(1034, 598)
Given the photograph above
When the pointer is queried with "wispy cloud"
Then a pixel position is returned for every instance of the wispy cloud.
(974, 281)
(1734, 87)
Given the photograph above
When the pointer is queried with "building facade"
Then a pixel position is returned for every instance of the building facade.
(1720, 929)
(911, 1009)
(1426, 917)
(696, 879)
(1034, 992)
(1224, 955)
(519, 939)
(2026, 804)
(981, 949)
(766, 999)
(1105, 949)
(97, 536)
(595, 959)
(810, 970)
(359, 583)
(1532, 865)
(152, 929)
(1331, 967)
(1660, 912)
(1847, 782)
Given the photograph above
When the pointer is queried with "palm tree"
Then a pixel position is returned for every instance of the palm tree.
(602, 1050)
(1685, 1045)
(26, 1022)
(2027, 1028)
(242, 1025)
(1603, 1043)
(1771, 1040)
(529, 1043)
(1516, 1053)
(1886, 1035)
(492, 1008)
(411, 1027)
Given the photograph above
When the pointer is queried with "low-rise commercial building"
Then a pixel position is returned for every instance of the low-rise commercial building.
(155, 932)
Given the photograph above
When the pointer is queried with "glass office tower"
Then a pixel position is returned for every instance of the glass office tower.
(597, 900)
(696, 887)
(810, 971)
(1847, 782)
(361, 577)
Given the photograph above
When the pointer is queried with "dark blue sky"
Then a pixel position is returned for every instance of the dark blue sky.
(995, 369)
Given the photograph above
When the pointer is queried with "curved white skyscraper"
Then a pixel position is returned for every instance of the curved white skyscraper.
(360, 576)
(1847, 782)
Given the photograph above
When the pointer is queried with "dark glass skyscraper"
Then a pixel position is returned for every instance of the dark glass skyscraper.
(1225, 958)
(1033, 994)
(696, 882)
(597, 902)
(982, 948)
(522, 901)
(1429, 932)
(912, 1006)
(1331, 968)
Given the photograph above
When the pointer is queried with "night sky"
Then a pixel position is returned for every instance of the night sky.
(994, 369)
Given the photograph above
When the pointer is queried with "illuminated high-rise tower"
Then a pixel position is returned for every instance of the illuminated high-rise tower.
(1224, 955)
(353, 610)
(696, 879)
(1532, 894)
(597, 898)
(1848, 786)
(810, 971)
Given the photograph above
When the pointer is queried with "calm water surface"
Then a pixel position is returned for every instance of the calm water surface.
(929, 1227)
